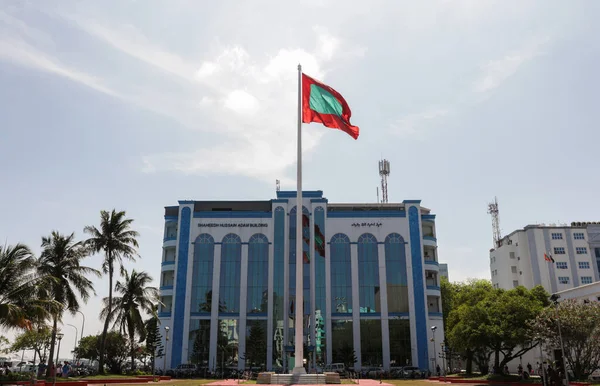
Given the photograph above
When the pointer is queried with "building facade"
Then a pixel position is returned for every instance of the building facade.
(519, 259)
(371, 283)
(444, 271)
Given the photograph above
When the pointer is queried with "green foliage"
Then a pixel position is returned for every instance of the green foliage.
(154, 346)
(88, 348)
(16, 284)
(580, 328)
(116, 350)
(35, 339)
(483, 321)
(4, 345)
(256, 344)
(15, 377)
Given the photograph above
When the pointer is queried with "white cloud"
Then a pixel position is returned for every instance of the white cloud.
(415, 125)
(495, 72)
(241, 102)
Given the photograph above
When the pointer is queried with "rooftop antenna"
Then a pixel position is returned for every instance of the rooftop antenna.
(277, 185)
(378, 194)
(493, 210)
(384, 172)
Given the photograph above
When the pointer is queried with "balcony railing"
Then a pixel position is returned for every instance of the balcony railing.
(430, 238)
(168, 262)
(166, 287)
(433, 287)
(170, 238)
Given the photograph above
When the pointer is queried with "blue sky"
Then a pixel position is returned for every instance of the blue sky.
(136, 104)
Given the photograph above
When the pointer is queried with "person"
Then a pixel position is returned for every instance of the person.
(66, 369)
(438, 370)
(520, 369)
(529, 368)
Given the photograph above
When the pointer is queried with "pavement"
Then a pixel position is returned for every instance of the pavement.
(232, 382)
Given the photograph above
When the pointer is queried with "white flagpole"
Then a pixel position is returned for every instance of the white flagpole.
(299, 312)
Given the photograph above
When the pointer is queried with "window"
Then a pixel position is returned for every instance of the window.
(512, 255)
(563, 279)
(513, 269)
(586, 280)
(584, 265)
(515, 283)
(559, 250)
(556, 236)
(581, 250)
(561, 265)
(578, 236)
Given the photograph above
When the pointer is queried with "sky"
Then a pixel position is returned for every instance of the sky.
(135, 105)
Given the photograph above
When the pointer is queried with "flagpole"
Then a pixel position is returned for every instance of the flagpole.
(299, 311)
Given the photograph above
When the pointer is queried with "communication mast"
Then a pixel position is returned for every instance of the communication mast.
(277, 186)
(384, 172)
(493, 210)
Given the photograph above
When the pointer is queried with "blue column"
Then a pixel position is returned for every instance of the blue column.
(418, 287)
(180, 286)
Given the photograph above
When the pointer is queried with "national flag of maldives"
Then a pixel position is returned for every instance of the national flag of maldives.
(321, 103)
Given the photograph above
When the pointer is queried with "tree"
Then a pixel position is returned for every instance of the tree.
(485, 321)
(154, 344)
(117, 241)
(34, 339)
(88, 348)
(63, 278)
(580, 330)
(16, 283)
(4, 345)
(136, 297)
(256, 344)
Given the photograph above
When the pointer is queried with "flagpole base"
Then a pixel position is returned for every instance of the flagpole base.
(299, 370)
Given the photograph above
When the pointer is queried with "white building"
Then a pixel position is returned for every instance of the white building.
(519, 259)
(584, 293)
(371, 283)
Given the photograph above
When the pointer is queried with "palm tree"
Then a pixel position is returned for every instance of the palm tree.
(117, 240)
(136, 297)
(63, 278)
(16, 283)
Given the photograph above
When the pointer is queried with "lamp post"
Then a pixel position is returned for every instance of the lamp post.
(433, 328)
(59, 336)
(554, 298)
(166, 349)
(76, 335)
(82, 325)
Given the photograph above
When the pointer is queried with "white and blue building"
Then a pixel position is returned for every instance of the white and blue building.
(228, 283)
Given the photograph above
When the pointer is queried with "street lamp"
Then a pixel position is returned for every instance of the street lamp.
(76, 334)
(166, 348)
(59, 336)
(82, 325)
(433, 328)
(554, 298)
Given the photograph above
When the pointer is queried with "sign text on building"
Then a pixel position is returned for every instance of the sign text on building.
(367, 224)
(233, 225)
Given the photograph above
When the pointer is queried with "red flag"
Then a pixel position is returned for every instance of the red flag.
(322, 104)
(548, 257)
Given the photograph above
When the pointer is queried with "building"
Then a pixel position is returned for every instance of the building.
(371, 283)
(444, 271)
(585, 293)
(519, 257)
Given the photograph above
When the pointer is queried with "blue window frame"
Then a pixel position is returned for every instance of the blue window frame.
(204, 248)
(230, 277)
(561, 265)
(584, 265)
(559, 250)
(557, 236)
(258, 274)
(578, 236)
(368, 274)
(581, 250)
(563, 279)
(341, 274)
(395, 273)
(586, 280)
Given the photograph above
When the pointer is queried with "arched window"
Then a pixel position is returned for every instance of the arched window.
(204, 250)
(341, 274)
(230, 277)
(258, 274)
(368, 274)
(396, 275)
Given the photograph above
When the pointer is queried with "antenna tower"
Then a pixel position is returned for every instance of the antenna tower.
(493, 210)
(277, 186)
(384, 172)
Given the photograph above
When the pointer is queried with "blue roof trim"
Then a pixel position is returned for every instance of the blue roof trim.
(411, 201)
(280, 200)
(171, 218)
(319, 200)
(305, 194)
(232, 214)
(428, 217)
(367, 214)
(183, 202)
